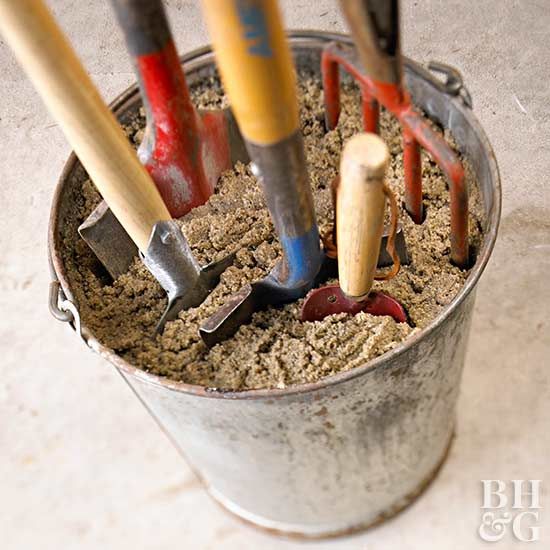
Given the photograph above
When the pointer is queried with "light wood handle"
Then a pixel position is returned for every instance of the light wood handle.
(91, 129)
(360, 206)
(255, 63)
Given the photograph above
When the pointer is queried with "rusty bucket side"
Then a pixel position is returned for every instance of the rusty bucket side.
(346, 452)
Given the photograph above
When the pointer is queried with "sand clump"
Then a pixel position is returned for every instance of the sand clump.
(276, 349)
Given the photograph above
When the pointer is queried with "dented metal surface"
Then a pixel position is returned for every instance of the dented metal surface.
(350, 450)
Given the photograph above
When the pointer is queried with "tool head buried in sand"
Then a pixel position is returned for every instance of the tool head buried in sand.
(331, 300)
(184, 150)
(253, 297)
(360, 200)
(270, 124)
(377, 66)
(170, 260)
(105, 153)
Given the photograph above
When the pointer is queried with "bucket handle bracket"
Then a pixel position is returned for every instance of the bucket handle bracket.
(63, 309)
(453, 84)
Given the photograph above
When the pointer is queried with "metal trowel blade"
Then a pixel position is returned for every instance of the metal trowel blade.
(330, 300)
(104, 234)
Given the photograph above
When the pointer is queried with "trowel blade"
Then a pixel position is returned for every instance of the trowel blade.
(330, 300)
(104, 234)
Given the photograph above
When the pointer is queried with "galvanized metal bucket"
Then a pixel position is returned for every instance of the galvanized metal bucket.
(341, 454)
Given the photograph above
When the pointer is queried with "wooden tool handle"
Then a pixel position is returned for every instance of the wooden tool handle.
(256, 67)
(360, 212)
(91, 129)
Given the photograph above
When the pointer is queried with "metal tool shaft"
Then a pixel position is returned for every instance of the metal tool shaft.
(375, 26)
(282, 170)
(256, 68)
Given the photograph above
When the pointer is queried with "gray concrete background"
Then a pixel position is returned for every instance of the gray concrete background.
(81, 463)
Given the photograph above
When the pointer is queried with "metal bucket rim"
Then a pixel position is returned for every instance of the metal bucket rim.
(492, 223)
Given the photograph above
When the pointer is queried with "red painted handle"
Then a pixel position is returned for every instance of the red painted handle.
(171, 148)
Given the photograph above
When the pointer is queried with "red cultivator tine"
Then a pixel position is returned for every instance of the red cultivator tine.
(416, 133)
(412, 168)
(371, 110)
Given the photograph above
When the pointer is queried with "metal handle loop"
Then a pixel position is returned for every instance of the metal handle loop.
(63, 309)
(454, 83)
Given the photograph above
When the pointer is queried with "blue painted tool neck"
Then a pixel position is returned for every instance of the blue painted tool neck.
(302, 257)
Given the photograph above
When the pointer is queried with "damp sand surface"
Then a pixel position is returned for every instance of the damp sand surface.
(276, 349)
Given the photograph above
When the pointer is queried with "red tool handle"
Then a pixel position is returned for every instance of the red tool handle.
(171, 146)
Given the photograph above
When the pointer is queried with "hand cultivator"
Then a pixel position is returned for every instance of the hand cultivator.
(376, 64)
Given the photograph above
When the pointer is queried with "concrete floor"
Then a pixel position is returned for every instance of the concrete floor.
(81, 463)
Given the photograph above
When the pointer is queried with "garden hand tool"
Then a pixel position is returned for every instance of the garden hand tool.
(184, 150)
(328, 237)
(361, 197)
(256, 68)
(100, 144)
(377, 65)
